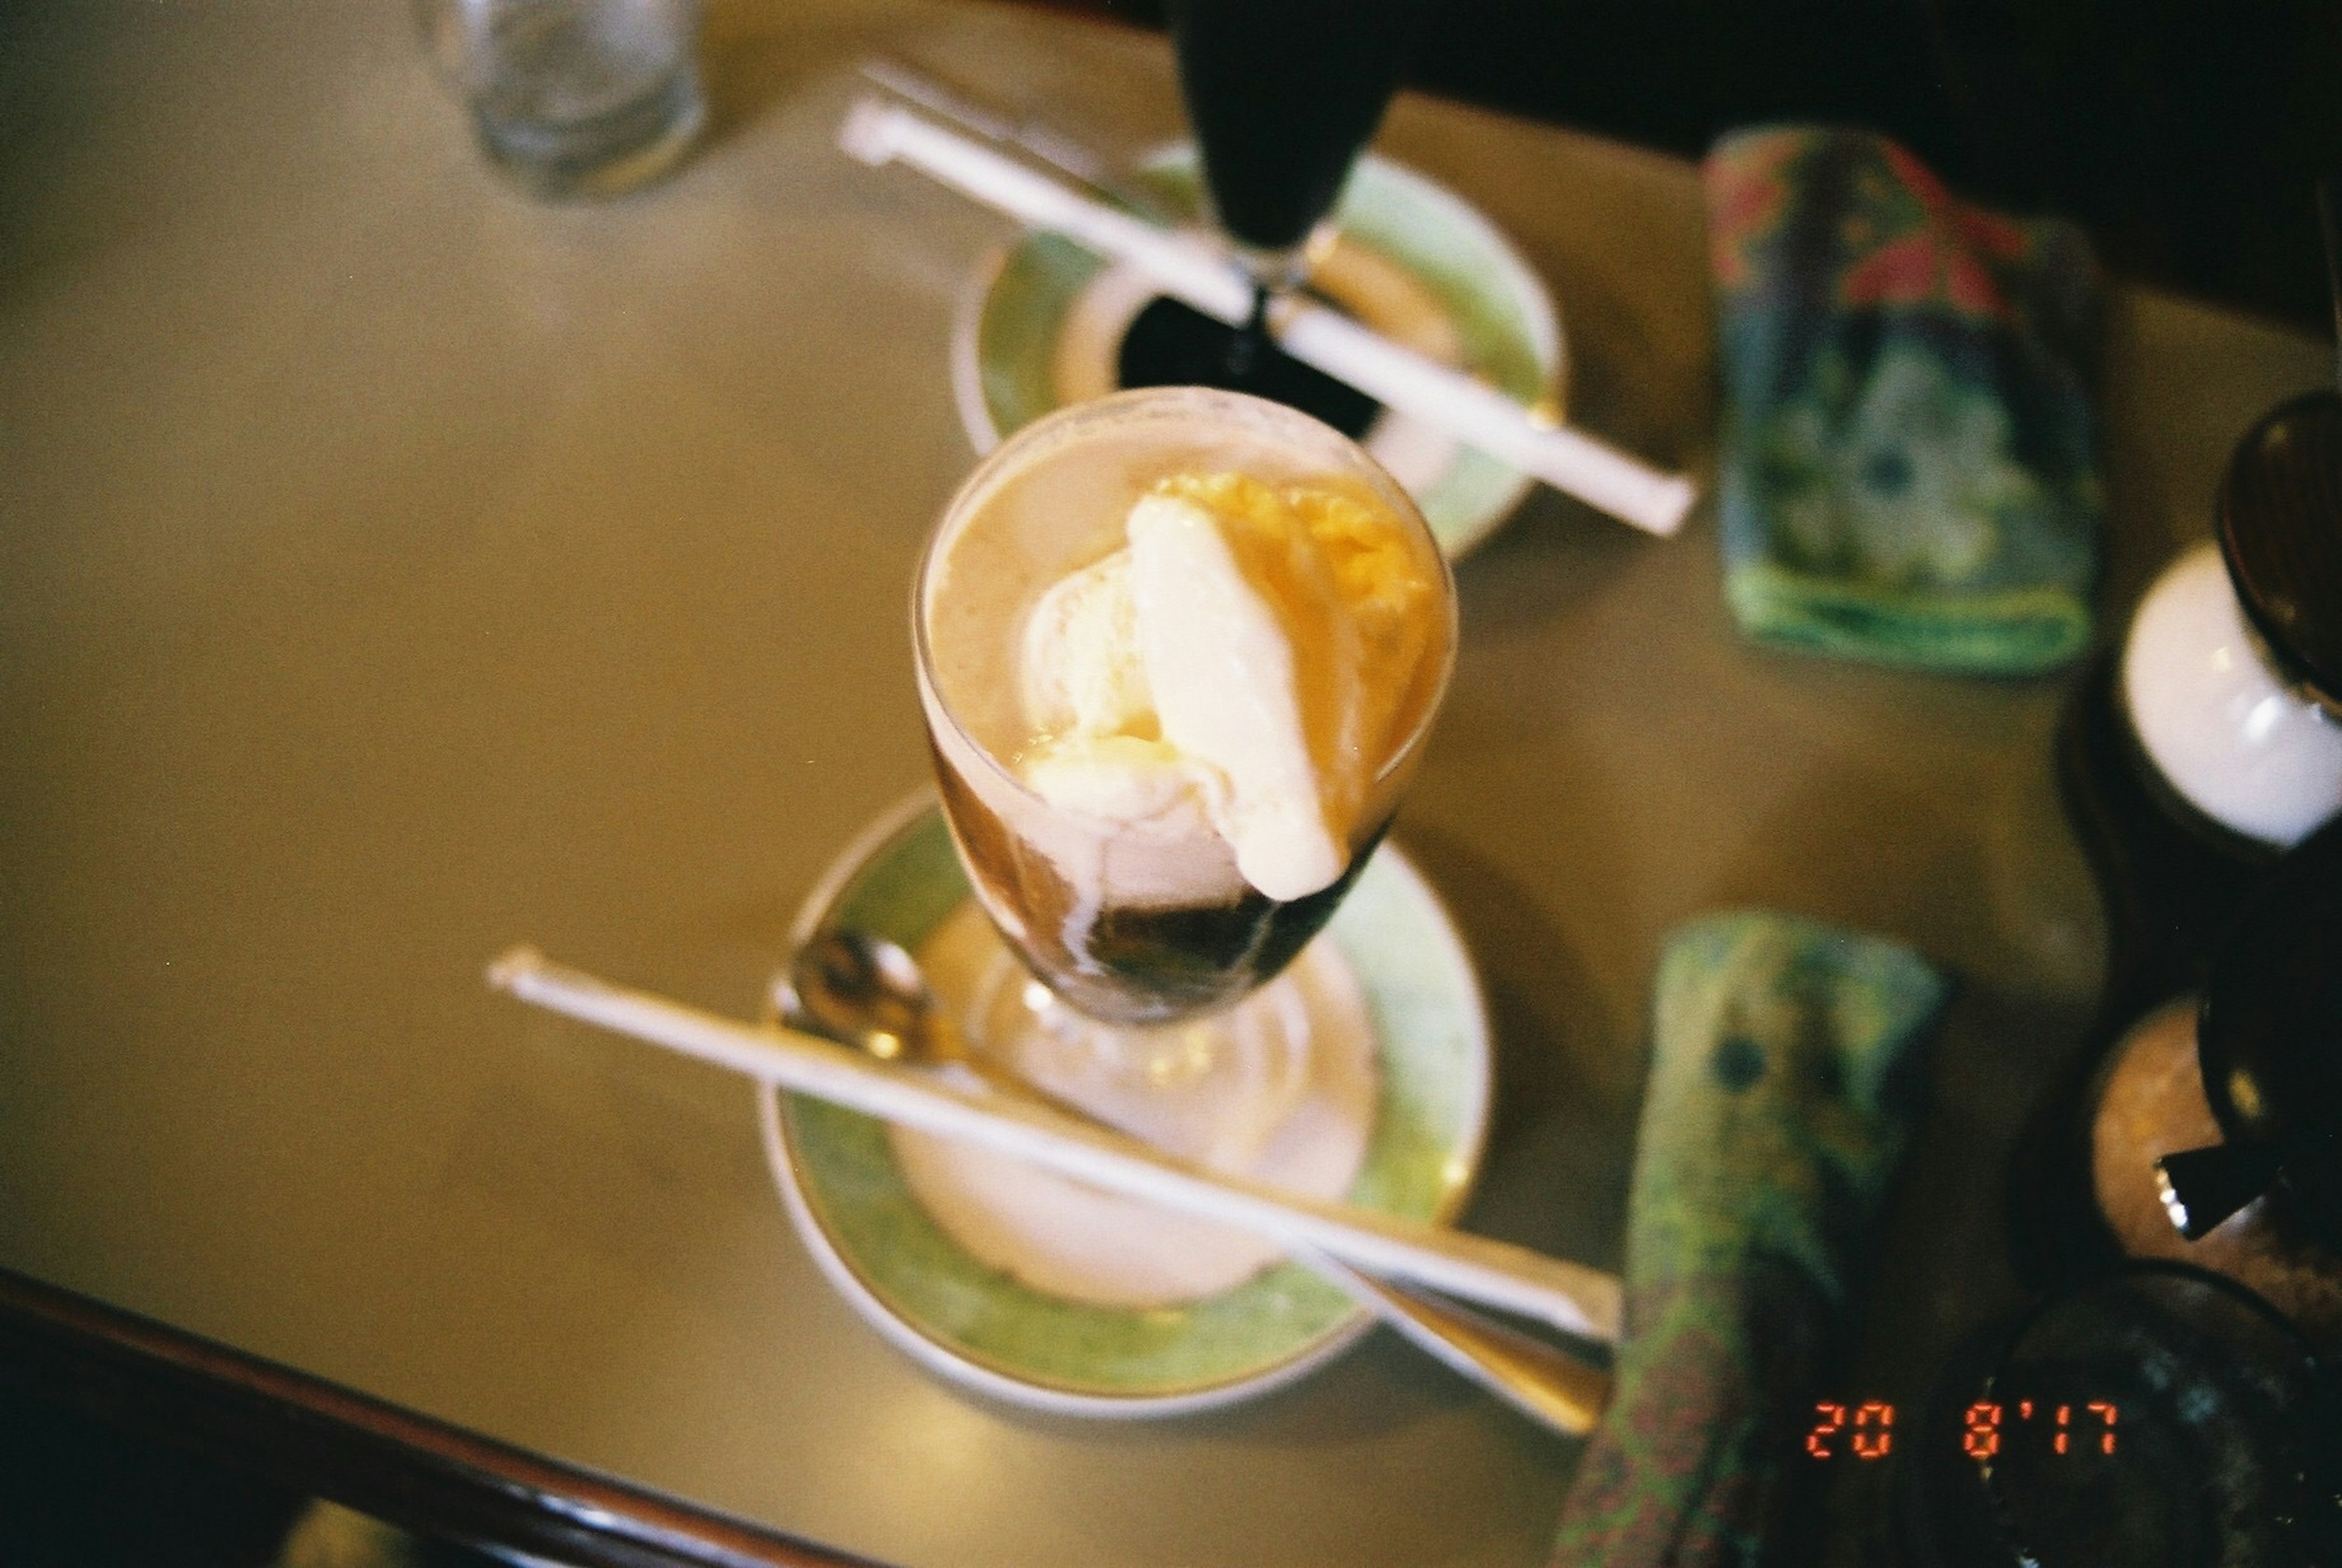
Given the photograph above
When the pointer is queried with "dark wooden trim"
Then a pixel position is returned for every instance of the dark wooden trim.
(409, 1470)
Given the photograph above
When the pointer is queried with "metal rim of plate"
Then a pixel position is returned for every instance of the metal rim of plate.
(1512, 333)
(1432, 934)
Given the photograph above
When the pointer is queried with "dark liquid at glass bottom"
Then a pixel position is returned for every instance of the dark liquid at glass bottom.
(1171, 344)
(1135, 964)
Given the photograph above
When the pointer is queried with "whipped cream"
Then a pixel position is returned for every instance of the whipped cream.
(1238, 664)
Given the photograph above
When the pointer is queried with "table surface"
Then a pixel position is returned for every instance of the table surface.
(394, 567)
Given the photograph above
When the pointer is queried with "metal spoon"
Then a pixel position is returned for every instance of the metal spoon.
(861, 990)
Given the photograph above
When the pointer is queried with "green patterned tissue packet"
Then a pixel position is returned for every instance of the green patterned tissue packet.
(1783, 1084)
(1909, 472)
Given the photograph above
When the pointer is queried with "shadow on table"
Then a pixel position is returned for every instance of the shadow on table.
(1550, 557)
(77, 1494)
(755, 54)
(1561, 1140)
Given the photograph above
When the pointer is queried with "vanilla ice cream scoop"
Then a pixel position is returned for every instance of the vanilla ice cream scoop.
(1081, 668)
(1246, 679)
(1241, 660)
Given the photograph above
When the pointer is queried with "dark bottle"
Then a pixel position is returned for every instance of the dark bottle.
(2209, 1133)
(1282, 95)
(2215, 742)
(2191, 765)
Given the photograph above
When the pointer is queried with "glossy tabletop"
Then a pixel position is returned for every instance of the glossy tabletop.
(394, 567)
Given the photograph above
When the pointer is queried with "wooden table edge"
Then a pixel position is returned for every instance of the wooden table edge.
(409, 1470)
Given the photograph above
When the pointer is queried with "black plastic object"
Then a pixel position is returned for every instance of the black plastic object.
(2202, 1187)
(2269, 1039)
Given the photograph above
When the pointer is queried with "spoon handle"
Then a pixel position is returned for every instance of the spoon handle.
(1573, 1298)
(1555, 1386)
(1544, 1382)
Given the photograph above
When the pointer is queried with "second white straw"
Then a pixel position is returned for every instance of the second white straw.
(877, 132)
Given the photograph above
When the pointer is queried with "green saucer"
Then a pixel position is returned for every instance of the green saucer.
(1044, 319)
(837, 1172)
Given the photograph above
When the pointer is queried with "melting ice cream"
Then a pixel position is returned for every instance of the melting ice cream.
(1240, 663)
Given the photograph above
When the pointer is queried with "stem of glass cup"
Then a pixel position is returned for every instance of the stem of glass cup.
(1275, 273)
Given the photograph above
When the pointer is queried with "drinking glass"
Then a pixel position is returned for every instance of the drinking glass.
(1141, 947)
(1282, 95)
(573, 97)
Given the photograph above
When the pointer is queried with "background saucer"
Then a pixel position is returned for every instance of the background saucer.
(837, 1173)
(1042, 325)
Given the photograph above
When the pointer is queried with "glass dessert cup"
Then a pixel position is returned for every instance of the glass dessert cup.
(1135, 964)
(1283, 95)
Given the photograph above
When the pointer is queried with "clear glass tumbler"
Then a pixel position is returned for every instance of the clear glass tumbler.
(574, 97)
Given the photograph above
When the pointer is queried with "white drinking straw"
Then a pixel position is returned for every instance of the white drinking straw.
(1189, 270)
(1572, 1298)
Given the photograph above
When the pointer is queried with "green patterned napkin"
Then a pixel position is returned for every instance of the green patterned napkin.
(1783, 1085)
(1910, 471)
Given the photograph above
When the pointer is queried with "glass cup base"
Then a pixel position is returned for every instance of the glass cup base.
(610, 154)
(1214, 1089)
(1281, 1088)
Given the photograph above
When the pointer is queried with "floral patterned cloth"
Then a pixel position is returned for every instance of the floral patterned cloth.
(1909, 466)
(1784, 1083)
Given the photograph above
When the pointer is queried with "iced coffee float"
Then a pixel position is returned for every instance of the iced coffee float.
(1178, 651)
(1181, 656)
